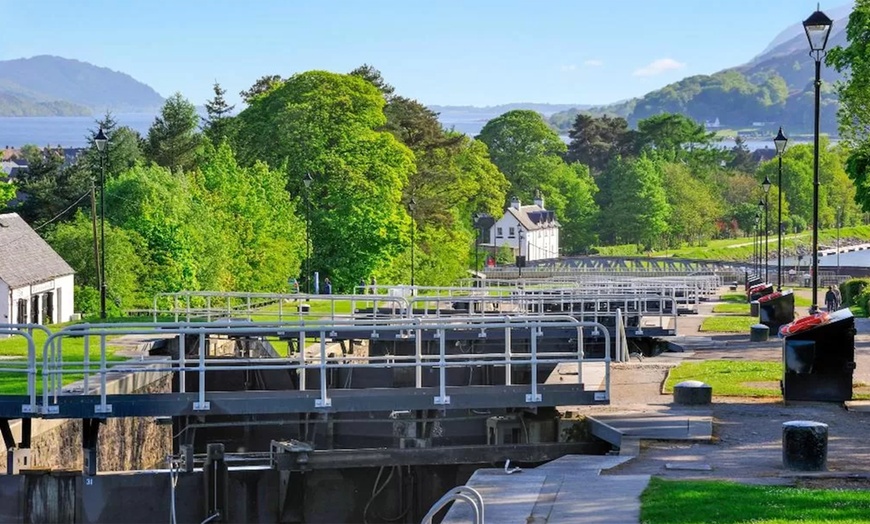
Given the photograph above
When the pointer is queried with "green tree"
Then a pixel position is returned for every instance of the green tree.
(123, 149)
(7, 192)
(50, 188)
(695, 208)
(672, 133)
(173, 139)
(328, 125)
(638, 208)
(263, 85)
(73, 240)
(853, 61)
(741, 158)
(371, 75)
(596, 141)
(216, 125)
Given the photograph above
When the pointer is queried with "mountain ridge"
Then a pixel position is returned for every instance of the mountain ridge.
(47, 85)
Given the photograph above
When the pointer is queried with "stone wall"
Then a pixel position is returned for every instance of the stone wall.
(124, 443)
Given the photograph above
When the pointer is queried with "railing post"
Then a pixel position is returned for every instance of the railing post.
(182, 354)
(103, 408)
(442, 399)
(418, 354)
(302, 361)
(508, 370)
(202, 405)
(534, 396)
(324, 401)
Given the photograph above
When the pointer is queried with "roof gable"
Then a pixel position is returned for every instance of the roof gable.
(533, 218)
(25, 258)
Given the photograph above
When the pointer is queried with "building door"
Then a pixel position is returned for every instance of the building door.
(48, 308)
(22, 311)
(34, 309)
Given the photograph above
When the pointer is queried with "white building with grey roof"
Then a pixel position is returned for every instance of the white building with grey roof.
(531, 231)
(36, 284)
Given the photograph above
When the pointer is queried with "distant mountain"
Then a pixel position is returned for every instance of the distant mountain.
(51, 85)
(487, 113)
(774, 88)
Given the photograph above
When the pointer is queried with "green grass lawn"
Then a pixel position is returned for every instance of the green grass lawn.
(734, 298)
(739, 248)
(728, 324)
(732, 308)
(720, 502)
(730, 378)
(15, 383)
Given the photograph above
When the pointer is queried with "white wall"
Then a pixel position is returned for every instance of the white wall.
(4, 303)
(62, 300)
(64, 308)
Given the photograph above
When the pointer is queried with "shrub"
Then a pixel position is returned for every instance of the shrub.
(852, 289)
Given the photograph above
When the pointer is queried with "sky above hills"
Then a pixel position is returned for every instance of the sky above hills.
(448, 52)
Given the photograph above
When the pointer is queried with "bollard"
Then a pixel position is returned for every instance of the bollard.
(804, 445)
(692, 393)
(754, 309)
(759, 333)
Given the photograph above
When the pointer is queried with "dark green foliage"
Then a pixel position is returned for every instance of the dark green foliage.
(263, 85)
(49, 186)
(173, 139)
(852, 289)
(216, 125)
(597, 141)
(853, 60)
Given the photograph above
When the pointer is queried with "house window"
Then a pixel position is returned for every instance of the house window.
(498, 232)
(511, 232)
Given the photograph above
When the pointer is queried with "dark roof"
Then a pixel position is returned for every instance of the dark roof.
(534, 217)
(25, 258)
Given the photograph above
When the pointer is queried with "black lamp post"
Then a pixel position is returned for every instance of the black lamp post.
(780, 142)
(757, 244)
(760, 216)
(766, 187)
(839, 222)
(817, 28)
(412, 206)
(307, 179)
(101, 140)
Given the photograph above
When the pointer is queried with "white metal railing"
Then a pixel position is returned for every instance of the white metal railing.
(28, 366)
(54, 367)
(463, 493)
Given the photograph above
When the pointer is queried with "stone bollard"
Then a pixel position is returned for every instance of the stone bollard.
(754, 309)
(692, 393)
(804, 445)
(759, 333)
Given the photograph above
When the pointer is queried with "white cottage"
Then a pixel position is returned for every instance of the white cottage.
(36, 284)
(530, 231)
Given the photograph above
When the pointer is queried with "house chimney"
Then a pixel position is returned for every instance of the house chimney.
(539, 199)
(515, 203)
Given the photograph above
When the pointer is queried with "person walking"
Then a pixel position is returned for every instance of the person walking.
(374, 287)
(830, 298)
(327, 286)
(838, 298)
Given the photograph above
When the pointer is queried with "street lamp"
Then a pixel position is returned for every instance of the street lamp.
(780, 142)
(412, 206)
(817, 28)
(101, 140)
(761, 238)
(307, 179)
(757, 244)
(766, 187)
(839, 220)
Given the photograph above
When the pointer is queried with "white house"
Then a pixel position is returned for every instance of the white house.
(530, 231)
(36, 284)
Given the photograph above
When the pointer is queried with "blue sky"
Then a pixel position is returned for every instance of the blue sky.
(457, 52)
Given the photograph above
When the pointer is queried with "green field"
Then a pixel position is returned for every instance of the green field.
(720, 502)
(730, 378)
(728, 324)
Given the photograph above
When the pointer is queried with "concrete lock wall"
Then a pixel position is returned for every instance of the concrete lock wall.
(124, 443)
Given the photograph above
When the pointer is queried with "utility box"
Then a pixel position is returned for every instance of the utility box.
(818, 363)
(776, 309)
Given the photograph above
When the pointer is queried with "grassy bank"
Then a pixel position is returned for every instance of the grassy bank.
(730, 378)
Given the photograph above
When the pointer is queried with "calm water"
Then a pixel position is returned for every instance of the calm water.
(72, 131)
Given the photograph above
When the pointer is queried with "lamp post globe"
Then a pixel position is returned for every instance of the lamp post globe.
(101, 141)
(817, 28)
(780, 142)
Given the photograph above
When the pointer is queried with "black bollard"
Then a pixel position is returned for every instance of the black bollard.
(804, 445)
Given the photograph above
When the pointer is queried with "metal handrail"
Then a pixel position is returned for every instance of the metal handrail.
(465, 493)
(54, 367)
